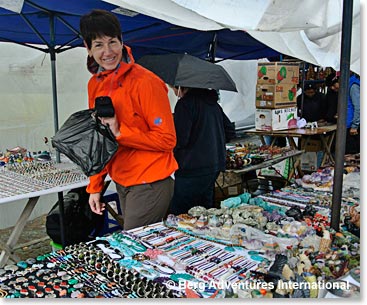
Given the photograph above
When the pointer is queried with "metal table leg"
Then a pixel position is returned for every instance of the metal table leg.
(17, 231)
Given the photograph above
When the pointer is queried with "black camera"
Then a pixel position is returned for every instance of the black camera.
(104, 107)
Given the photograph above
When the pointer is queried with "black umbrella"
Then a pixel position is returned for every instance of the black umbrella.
(188, 71)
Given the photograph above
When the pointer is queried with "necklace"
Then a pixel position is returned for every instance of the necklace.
(133, 244)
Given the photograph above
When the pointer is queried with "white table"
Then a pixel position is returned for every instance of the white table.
(8, 248)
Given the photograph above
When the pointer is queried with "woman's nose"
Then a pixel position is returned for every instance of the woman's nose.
(106, 48)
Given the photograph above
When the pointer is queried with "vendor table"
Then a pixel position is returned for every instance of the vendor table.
(326, 134)
(14, 187)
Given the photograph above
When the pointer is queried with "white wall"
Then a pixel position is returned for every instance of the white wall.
(26, 112)
(26, 115)
(240, 106)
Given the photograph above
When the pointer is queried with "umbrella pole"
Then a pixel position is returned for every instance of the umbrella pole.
(342, 113)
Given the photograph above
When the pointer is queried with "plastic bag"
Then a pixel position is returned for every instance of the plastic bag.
(86, 142)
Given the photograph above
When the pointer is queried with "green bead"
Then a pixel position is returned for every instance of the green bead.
(72, 281)
(40, 258)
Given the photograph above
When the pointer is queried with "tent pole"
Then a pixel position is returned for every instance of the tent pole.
(213, 48)
(342, 113)
(60, 195)
(54, 89)
(303, 86)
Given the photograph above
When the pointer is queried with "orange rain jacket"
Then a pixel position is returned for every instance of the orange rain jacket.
(145, 152)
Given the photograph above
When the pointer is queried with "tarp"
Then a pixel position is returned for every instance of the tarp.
(308, 30)
(53, 27)
(55, 24)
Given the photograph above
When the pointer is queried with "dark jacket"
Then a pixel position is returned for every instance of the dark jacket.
(200, 148)
(331, 104)
(313, 108)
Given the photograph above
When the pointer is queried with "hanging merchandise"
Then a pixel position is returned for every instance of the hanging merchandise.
(86, 141)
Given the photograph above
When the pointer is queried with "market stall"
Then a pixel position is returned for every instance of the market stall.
(276, 245)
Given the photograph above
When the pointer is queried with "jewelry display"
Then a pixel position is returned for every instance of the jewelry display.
(74, 274)
(26, 177)
(152, 261)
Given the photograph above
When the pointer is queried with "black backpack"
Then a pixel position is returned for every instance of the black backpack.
(80, 223)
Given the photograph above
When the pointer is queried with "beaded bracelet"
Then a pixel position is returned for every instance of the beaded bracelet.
(163, 268)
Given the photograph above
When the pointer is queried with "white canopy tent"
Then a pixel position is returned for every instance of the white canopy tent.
(26, 84)
(309, 30)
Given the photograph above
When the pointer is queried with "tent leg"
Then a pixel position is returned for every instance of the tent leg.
(342, 113)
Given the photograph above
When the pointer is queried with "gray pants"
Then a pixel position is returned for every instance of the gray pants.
(145, 204)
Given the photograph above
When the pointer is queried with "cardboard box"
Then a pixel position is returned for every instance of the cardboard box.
(309, 161)
(276, 119)
(276, 96)
(226, 179)
(222, 193)
(228, 184)
(274, 73)
(313, 145)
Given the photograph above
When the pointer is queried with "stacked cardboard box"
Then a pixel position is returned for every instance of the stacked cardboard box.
(276, 100)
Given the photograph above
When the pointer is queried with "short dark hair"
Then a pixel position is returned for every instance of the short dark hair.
(310, 87)
(99, 23)
(331, 79)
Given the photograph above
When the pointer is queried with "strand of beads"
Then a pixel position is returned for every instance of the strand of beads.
(133, 244)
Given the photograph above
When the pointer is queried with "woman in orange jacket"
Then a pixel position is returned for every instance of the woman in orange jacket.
(142, 124)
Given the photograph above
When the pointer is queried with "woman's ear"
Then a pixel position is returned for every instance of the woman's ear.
(88, 50)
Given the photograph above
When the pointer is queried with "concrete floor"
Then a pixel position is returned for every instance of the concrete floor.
(35, 230)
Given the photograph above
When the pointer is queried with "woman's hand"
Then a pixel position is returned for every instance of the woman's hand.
(95, 203)
(113, 124)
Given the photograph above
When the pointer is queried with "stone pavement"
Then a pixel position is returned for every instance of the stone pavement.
(35, 230)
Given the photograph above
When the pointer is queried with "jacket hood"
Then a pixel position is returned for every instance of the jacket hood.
(127, 57)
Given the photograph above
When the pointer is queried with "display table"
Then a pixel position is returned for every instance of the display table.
(248, 248)
(156, 261)
(326, 134)
(15, 186)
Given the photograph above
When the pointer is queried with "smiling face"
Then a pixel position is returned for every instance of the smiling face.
(107, 51)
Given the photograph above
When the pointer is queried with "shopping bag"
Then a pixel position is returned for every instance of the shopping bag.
(86, 141)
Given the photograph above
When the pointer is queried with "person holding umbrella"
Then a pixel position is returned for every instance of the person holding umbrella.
(202, 128)
(140, 119)
(200, 151)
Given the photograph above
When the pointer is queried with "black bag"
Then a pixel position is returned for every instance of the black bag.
(86, 141)
(80, 223)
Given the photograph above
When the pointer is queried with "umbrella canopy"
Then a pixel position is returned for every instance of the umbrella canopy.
(188, 71)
